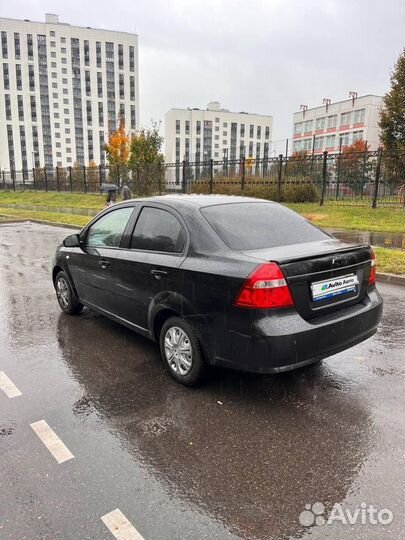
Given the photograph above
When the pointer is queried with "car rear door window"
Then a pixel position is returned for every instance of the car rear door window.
(158, 230)
(108, 230)
(245, 226)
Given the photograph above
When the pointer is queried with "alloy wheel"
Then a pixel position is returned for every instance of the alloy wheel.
(178, 350)
(62, 292)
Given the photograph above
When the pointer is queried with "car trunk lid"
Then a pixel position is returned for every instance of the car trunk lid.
(323, 276)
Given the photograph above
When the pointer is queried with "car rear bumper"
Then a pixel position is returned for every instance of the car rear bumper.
(285, 341)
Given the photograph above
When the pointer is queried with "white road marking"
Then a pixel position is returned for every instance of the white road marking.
(120, 527)
(8, 387)
(52, 441)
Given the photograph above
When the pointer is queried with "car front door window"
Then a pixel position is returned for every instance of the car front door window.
(108, 230)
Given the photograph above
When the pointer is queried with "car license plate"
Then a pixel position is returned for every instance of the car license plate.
(333, 287)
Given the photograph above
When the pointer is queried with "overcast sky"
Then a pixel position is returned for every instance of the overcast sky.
(262, 56)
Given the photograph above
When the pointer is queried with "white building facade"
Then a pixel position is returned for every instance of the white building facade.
(197, 135)
(333, 126)
(63, 88)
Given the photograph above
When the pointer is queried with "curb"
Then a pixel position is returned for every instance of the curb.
(394, 279)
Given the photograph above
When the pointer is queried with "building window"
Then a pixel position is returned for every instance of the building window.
(133, 117)
(120, 56)
(251, 149)
(98, 54)
(357, 135)
(298, 128)
(217, 119)
(242, 131)
(18, 76)
(20, 108)
(30, 47)
(358, 116)
(100, 113)
(63, 40)
(187, 127)
(4, 49)
(251, 131)
(344, 139)
(31, 77)
(8, 106)
(52, 33)
(330, 141)
(87, 82)
(345, 118)
(307, 126)
(33, 109)
(99, 84)
(53, 43)
(131, 58)
(64, 61)
(121, 86)
(267, 133)
(320, 123)
(259, 132)
(177, 127)
(86, 53)
(258, 150)
(198, 127)
(332, 120)
(17, 46)
(132, 87)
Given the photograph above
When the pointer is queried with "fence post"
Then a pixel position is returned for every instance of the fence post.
(160, 177)
(338, 171)
(70, 178)
(84, 179)
(243, 177)
(100, 180)
(184, 179)
(57, 178)
(13, 177)
(137, 180)
(280, 171)
(33, 178)
(23, 175)
(377, 178)
(46, 179)
(211, 176)
(324, 177)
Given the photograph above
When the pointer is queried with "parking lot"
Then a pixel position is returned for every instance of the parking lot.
(90, 424)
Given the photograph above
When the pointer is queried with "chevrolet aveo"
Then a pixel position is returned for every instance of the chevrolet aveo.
(227, 281)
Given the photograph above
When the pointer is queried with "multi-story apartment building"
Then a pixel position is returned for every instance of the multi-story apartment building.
(215, 133)
(63, 88)
(335, 125)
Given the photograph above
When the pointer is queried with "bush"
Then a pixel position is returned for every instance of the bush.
(258, 187)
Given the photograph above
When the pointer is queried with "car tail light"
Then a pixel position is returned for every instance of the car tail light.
(373, 269)
(266, 288)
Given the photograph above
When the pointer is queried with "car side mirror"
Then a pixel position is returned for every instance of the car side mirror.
(72, 240)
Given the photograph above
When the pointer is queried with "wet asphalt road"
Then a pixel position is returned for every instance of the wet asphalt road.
(237, 458)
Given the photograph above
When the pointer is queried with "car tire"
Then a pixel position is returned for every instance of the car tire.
(67, 299)
(186, 364)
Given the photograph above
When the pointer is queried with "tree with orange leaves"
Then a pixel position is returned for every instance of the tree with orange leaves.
(355, 168)
(118, 151)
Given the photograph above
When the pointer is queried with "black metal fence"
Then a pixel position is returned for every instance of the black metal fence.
(358, 178)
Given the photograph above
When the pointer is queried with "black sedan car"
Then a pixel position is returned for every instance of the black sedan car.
(217, 280)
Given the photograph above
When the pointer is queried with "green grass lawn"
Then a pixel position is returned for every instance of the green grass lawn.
(353, 217)
(53, 217)
(68, 200)
(390, 260)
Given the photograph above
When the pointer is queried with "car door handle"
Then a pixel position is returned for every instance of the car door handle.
(158, 274)
(104, 264)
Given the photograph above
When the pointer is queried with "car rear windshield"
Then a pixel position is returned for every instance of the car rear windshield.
(245, 226)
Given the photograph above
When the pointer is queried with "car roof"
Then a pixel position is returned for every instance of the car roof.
(176, 200)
